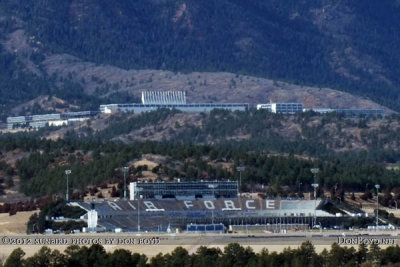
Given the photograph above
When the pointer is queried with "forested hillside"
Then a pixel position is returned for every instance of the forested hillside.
(92, 162)
(307, 133)
(278, 151)
(87, 52)
(351, 46)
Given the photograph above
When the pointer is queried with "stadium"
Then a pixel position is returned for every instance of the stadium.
(164, 207)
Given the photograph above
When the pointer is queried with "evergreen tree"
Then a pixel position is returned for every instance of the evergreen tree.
(15, 259)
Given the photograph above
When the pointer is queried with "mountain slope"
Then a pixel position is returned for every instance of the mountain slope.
(351, 46)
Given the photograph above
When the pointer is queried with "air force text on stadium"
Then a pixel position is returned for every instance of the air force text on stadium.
(208, 204)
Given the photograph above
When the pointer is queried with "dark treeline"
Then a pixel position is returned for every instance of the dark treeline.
(18, 86)
(306, 133)
(233, 255)
(121, 123)
(38, 223)
(263, 40)
(94, 162)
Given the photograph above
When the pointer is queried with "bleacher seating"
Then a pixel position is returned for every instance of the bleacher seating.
(156, 215)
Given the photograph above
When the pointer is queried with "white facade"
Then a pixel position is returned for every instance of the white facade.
(58, 123)
(154, 100)
(92, 219)
(265, 106)
(37, 121)
(132, 190)
(284, 108)
(202, 107)
(78, 119)
(163, 98)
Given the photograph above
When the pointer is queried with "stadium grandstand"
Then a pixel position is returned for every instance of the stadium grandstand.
(184, 189)
(201, 206)
(160, 214)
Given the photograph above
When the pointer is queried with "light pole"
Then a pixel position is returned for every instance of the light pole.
(280, 214)
(315, 185)
(67, 172)
(240, 169)
(138, 208)
(377, 186)
(125, 169)
(315, 204)
(213, 186)
(315, 171)
(138, 214)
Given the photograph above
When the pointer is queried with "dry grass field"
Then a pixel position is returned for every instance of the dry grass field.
(15, 224)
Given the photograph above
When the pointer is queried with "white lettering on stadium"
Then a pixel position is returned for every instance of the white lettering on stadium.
(131, 205)
(188, 204)
(209, 205)
(229, 205)
(270, 204)
(150, 205)
(248, 206)
(114, 206)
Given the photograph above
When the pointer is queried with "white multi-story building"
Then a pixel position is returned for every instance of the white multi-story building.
(284, 108)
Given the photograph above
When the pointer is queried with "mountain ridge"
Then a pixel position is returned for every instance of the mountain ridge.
(316, 43)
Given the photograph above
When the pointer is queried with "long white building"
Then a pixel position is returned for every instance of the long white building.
(292, 108)
(38, 121)
(355, 113)
(170, 100)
